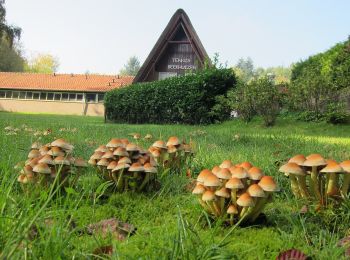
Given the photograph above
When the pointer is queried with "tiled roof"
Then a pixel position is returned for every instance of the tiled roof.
(62, 82)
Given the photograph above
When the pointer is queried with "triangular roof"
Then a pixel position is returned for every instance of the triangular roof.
(180, 18)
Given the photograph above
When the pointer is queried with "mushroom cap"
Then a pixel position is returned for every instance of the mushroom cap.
(255, 190)
(172, 148)
(346, 166)
(27, 169)
(55, 151)
(112, 165)
(92, 162)
(97, 155)
(314, 160)
(33, 162)
(21, 178)
(232, 210)
(332, 167)
(47, 159)
(124, 142)
(136, 167)
(298, 159)
(149, 168)
(245, 200)
(223, 192)
(173, 140)
(292, 168)
(208, 195)
(202, 176)
(120, 151)
(103, 162)
(215, 169)
(114, 143)
(136, 136)
(159, 144)
(80, 162)
(44, 150)
(239, 172)
(130, 147)
(246, 165)
(124, 160)
(267, 183)
(34, 154)
(212, 181)
(121, 166)
(226, 164)
(36, 145)
(107, 155)
(255, 173)
(101, 148)
(60, 160)
(155, 152)
(199, 189)
(62, 144)
(224, 174)
(42, 168)
(234, 183)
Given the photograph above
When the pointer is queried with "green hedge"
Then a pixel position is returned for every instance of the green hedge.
(185, 99)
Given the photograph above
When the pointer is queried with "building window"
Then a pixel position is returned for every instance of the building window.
(22, 95)
(49, 96)
(29, 95)
(79, 97)
(15, 94)
(57, 96)
(90, 98)
(64, 96)
(100, 98)
(2, 94)
(8, 94)
(72, 96)
(43, 95)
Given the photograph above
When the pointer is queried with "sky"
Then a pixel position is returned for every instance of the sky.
(100, 36)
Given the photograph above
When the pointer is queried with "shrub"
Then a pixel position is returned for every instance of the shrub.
(336, 113)
(185, 99)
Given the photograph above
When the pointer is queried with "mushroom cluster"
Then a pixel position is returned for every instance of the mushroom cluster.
(316, 177)
(236, 192)
(126, 164)
(48, 162)
(172, 154)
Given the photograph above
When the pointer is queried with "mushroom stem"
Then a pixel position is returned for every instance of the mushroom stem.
(294, 185)
(145, 181)
(245, 212)
(234, 196)
(316, 183)
(259, 206)
(345, 186)
(332, 185)
(302, 186)
(222, 205)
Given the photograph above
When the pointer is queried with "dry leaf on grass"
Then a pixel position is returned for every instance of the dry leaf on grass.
(103, 250)
(119, 230)
(292, 254)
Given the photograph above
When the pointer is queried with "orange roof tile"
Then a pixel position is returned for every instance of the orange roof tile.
(62, 82)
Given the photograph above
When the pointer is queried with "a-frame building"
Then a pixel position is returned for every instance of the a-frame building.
(177, 51)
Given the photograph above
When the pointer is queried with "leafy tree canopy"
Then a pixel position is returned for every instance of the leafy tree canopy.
(42, 63)
(131, 67)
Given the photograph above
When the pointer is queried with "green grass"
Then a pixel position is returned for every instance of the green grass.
(170, 223)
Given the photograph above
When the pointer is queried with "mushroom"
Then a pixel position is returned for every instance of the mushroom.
(34, 153)
(246, 165)
(247, 202)
(297, 178)
(257, 193)
(120, 152)
(174, 140)
(198, 190)
(234, 184)
(332, 169)
(149, 169)
(224, 175)
(36, 145)
(101, 148)
(203, 175)
(114, 143)
(61, 143)
(56, 151)
(226, 164)
(346, 182)
(212, 182)
(136, 169)
(210, 199)
(223, 193)
(120, 168)
(232, 210)
(240, 173)
(255, 174)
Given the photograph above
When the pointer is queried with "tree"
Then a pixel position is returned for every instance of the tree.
(131, 67)
(8, 33)
(245, 69)
(42, 63)
(10, 58)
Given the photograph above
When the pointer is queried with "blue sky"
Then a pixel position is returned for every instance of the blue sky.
(99, 36)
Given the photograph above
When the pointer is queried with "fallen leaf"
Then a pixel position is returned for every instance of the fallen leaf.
(292, 254)
(119, 230)
(304, 209)
(103, 250)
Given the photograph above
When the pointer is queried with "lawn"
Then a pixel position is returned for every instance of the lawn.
(170, 223)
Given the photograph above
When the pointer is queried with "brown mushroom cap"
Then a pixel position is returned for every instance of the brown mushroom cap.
(120, 151)
(32, 162)
(97, 155)
(36, 145)
(121, 166)
(107, 155)
(223, 192)
(173, 140)
(149, 168)
(232, 210)
(132, 147)
(44, 150)
(215, 169)
(34, 154)
(62, 144)
(255, 173)
(124, 160)
(255, 190)
(80, 162)
(92, 162)
(47, 159)
(159, 144)
(172, 148)
(292, 168)
(332, 167)
(199, 189)
(346, 166)
(267, 183)
(314, 160)
(224, 174)
(226, 164)
(246, 165)
(245, 200)
(55, 151)
(234, 183)
(101, 148)
(103, 162)
(112, 165)
(212, 181)
(124, 141)
(114, 143)
(203, 175)
(27, 169)
(136, 167)
(298, 159)
(208, 195)
(155, 152)
(60, 160)
(42, 168)
(239, 172)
